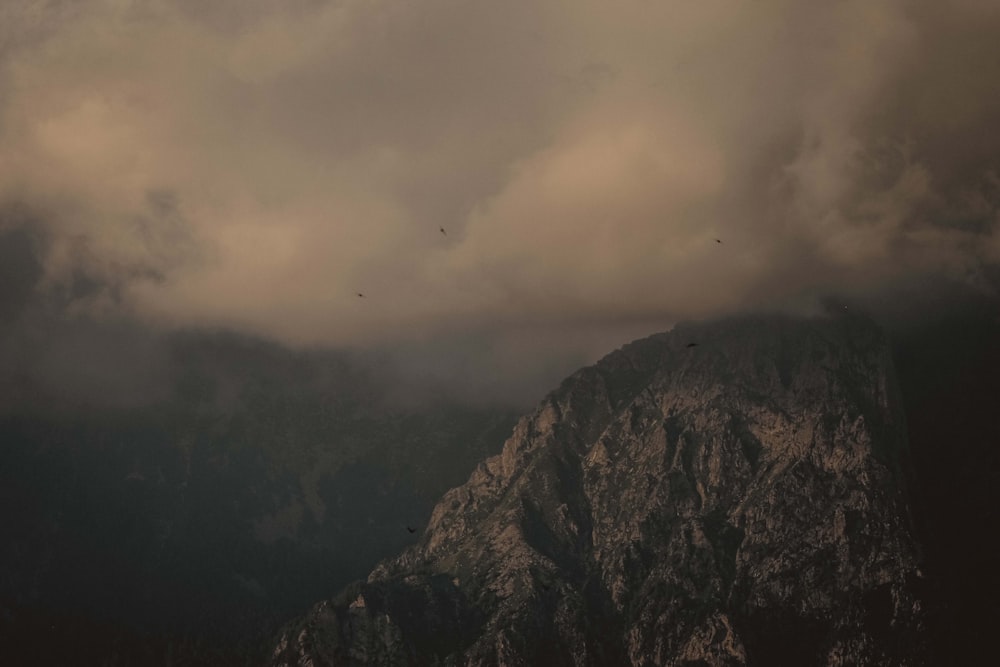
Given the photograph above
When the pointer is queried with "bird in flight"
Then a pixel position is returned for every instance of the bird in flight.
(692, 344)
(444, 232)
(718, 240)
(361, 295)
(412, 530)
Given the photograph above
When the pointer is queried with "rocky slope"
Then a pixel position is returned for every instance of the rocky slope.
(738, 502)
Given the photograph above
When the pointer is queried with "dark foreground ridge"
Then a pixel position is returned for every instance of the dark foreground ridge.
(742, 502)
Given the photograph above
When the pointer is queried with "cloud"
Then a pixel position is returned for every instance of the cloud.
(254, 165)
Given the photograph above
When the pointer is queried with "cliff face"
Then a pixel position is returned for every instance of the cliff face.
(738, 502)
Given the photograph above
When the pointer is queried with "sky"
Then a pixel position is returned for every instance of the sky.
(250, 165)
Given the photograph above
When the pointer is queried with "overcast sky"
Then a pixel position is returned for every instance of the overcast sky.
(254, 165)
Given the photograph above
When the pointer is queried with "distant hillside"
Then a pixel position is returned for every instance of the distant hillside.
(194, 526)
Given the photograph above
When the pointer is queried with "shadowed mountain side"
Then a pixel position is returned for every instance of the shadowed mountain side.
(738, 503)
(191, 528)
(949, 370)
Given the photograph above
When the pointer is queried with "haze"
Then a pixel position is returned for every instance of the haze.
(250, 165)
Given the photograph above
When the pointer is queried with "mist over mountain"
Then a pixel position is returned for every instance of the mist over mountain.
(203, 429)
(192, 521)
(253, 166)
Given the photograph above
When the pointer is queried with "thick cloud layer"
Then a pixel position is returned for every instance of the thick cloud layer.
(255, 165)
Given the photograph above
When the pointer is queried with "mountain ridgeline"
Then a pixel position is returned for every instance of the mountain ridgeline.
(738, 502)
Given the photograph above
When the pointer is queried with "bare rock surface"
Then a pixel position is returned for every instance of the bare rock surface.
(742, 502)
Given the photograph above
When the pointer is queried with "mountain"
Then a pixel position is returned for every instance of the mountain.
(741, 501)
(949, 370)
(187, 530)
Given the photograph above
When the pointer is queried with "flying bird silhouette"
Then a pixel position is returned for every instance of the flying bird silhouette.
(361, 295)
(692, 344)
(444, 232)
(412, 530)
(718, 240)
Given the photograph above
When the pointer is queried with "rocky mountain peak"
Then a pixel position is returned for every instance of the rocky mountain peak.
(735, 501)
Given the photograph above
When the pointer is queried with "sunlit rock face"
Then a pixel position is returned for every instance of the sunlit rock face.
(737, 502)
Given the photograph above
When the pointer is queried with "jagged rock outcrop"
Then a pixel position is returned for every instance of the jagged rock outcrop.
(739, 502)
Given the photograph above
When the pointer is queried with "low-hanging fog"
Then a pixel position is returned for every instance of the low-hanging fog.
(174, 165)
